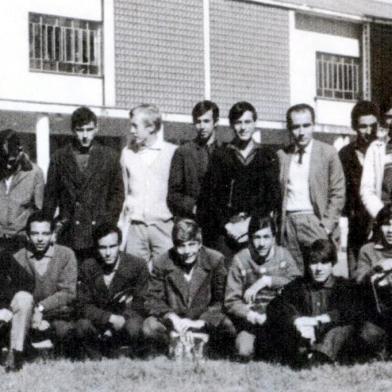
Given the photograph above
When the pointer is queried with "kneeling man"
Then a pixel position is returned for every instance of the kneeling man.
(186, 289)
(256, 276)
(53, 269)
(111, 296)
(314, 317)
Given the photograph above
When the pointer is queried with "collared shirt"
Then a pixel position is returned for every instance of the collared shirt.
(319, 295)
(108, 278)
(82, 158)
(8, 182)
(298, 193)
(40, 265)
(146, 177)
(245, 160)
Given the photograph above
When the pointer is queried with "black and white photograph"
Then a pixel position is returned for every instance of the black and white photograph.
(196, 195)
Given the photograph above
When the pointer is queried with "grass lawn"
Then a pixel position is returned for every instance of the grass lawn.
(161, 374)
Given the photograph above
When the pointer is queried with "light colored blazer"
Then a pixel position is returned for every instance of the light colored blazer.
(372, 176)
(326, 185)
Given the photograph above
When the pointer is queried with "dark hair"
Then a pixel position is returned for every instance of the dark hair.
(238, 109)
(363, 108)
(186, 230)
(321, 251)
(383, 217)
(82, 116)
(203, 107)
(386, 104)
(39, 216)
(301, 107)
(152, 111)
(261, 222)
(105, 229)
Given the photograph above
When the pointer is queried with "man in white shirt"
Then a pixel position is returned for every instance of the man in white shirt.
(312, 185)
(146, 220)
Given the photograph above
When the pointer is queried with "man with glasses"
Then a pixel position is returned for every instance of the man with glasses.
(376, 183)
(364, 120)
(312, 185)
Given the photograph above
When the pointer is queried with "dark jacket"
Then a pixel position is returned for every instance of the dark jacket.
(97, 302)
(354, 209)
(13, 278)
(188, 168)
(232, 186)
(201, 298)
(85, 199)
(342, 303)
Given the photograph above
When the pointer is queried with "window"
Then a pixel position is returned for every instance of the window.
(66, 45)
(338, 77)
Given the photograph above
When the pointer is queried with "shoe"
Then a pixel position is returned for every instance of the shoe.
(14, 361)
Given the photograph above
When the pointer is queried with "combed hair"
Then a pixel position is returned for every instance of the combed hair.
(186, 230)
(364, 108)
(105, 229)
(301, 107)
(321, 251)
(39, 216)
(82, 116)
(383, 217)
(261, 222)
(238, 109)
(152, 111)
(203, 107)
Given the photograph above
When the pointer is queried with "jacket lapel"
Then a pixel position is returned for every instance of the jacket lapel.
(18, 177)
(315, 160)
(94, 163)
(71, 167)
(200, 274)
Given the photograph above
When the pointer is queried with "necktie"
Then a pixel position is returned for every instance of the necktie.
(301, 152)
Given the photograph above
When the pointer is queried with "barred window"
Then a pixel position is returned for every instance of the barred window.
(66, 45)
(338, 77)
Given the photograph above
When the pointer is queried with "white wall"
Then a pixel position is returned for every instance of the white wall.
(17, 82)
(303, 48)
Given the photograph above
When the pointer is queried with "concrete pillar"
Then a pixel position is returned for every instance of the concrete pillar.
(42, 131)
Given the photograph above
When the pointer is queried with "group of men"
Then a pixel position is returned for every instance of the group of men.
(221, 242)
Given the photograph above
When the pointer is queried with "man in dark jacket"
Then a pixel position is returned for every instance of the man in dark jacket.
(190, 161)
(364, 120)
(16, 307)
(110, 296)
(242, 180)
(315, 316)
(186, 289)
(85, 183)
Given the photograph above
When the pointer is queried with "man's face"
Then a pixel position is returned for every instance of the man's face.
(245, 126)
(388, 118)
(367, 128)
(301, 127)
(40, 236)
(263, 240)
(108, 248)
(141, 130)
(387, 233)
(205, 125)
(85, 134)
(321, 271)
(188, 251)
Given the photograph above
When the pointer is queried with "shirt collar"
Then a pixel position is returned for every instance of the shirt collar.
(306, 150)
(48, 254)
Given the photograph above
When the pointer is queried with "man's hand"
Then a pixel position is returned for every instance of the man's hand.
(238, 230)
(37, 318)
(6, 315)
(386, 264)
(180, 325)
(306, 327)
(197, 324)
(117, 321)
(251, 292)
(256, 318)
(323, 318)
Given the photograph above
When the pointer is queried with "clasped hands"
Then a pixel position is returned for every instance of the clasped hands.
(306, 326)
(38, 321)
(182, 325)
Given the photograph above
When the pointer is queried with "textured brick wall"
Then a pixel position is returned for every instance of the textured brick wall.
(159, 53)
(250, 56)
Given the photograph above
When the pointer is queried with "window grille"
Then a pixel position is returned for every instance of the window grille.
(338, 77)
(64, 45)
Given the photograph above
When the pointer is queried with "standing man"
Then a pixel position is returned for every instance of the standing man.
(84, 182)
(190, 161)
(242, 180)
(364, 120)
(146, 220)
(110, 296)
(53, 269)
(21, 190)
(312, 184)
